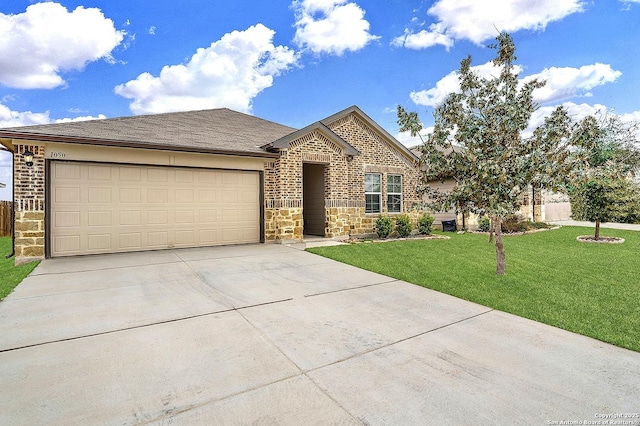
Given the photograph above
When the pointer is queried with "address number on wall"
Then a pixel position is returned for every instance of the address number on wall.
(57, 154)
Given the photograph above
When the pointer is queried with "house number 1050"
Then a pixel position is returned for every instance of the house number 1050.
(57, 154)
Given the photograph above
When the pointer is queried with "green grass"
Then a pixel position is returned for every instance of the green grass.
(10, 275)
(591, 289)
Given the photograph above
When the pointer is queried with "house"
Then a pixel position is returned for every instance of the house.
(202, 178)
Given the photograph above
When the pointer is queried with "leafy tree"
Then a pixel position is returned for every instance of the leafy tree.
(600, 188)
(477, 141)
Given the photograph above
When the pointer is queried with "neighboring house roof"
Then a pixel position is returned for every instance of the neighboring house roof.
(216, 131)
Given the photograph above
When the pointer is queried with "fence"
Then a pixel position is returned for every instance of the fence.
(5, 218)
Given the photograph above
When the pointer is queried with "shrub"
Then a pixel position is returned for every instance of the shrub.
(484, 224)
(403, 225)
(536, 225)
(425, 222)
(384, 225)
(513, 223)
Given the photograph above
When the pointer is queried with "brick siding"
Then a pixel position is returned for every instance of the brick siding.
(344, 181)
(29, 195)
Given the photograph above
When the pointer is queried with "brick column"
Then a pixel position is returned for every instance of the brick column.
(29, 193)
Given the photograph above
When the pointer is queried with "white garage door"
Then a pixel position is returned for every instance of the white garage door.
(110, 208)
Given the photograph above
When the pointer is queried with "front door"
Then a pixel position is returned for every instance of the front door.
(313, 212)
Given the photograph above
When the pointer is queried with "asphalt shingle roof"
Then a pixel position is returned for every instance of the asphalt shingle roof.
(215, 130)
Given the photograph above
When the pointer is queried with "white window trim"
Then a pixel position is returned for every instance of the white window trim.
(395, 193)
(379, 194)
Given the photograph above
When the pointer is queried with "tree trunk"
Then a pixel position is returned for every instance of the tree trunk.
(501, 260)
(491, 228)
(597, 236)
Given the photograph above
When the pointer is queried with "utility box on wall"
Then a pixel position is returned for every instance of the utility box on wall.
(449, 226)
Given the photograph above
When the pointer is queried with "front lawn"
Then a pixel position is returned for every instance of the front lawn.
(591, 289)
(10, 275)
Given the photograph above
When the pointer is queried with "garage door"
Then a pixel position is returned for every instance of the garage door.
(110, 208)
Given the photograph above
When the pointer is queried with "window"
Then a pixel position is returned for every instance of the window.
(373, 192)
(394, 193)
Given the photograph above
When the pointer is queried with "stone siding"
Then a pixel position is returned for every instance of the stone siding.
(344, 181)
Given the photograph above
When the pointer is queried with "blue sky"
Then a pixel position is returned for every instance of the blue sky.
(295, 62)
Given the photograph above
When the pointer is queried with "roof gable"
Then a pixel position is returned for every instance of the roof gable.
(284, 142)
(393, 142)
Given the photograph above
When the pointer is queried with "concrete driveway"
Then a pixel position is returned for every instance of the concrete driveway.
(269, 334)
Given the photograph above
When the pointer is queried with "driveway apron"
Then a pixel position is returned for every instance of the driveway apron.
(270, 334)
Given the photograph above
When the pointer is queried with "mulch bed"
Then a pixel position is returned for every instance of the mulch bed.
(513, 234)
(603, 240)
(388, 239)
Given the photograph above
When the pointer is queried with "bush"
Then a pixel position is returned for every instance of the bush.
(425, 222)
(484, 224)
(513, 223)
(536, 225)
(403, 225)
(384, 225)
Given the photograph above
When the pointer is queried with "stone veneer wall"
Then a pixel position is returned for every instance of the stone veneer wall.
(29, 196)
(533, 211)
(344, 181)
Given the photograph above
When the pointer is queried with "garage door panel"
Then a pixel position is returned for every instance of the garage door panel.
(130, 195)
(208, 236)
(160, 196)
(130, 174)
(185, 217)
(99, 195)
(130, 241)
(99, 218)
(184, 196)
(97, 243)
(67, 195)
(68, 219)
(115, 208)
(158, 239)
(130, 217)
(157, 217)
(95, 172)
(66, 244)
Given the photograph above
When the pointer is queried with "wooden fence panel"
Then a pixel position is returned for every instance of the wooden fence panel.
(5, 218)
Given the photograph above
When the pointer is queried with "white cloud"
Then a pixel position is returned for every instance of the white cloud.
(423, 39)
(562, 83)
(80, 118)
(9, 118)
(567, 82)
(6, 174)
(631, 116)
(576, 112)
(331, 26)
(229, 73)
(409, 141)
(47, 40)
(450, 83)
(478, 21)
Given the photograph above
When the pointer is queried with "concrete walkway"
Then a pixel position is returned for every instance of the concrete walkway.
(271, 335)
(626, 226)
